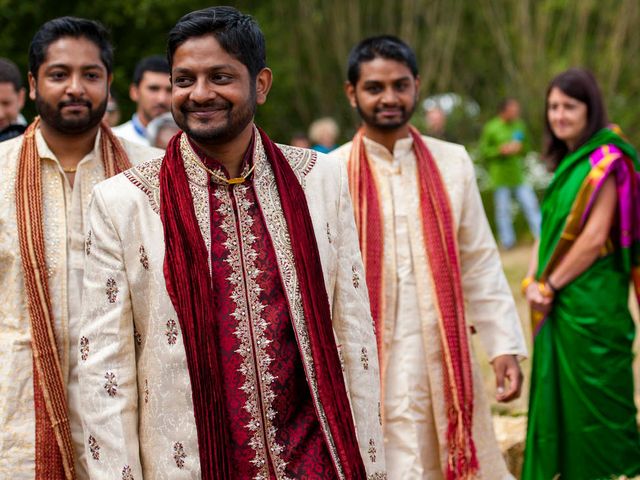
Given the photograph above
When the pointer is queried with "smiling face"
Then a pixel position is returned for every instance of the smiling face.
(72, 86)
(213, 97)
(385, 94)
(567, 116)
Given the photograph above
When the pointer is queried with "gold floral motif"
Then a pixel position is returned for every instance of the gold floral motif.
(126, 473)
(144, 258)
(355, 277)
(364, 358)
(94, 448)
(87, 243)
(329, 233)
(111, 386)
(372, 450)
(377, 476)
(172, 332)
(112, 290)
(84, 348)
(146, 391)
(179, 455)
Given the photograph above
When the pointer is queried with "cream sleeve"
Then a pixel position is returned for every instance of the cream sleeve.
(356, 338)
(106, 357)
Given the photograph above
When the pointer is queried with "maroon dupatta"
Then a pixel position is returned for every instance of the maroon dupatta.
(188, 282)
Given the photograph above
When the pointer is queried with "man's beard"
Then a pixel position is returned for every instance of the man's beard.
(373, 122)
(236, 120)
(70, 126)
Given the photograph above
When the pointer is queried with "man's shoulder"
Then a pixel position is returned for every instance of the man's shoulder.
(343, 152)
(9, 151)
(139, 153)
(440, 147)
(122, 128)
(304, 161)
(142, 178)
(128, 132)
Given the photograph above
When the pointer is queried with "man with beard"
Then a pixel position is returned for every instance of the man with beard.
(226, 326)
(433, 273)
(47, 176)
(151, 90)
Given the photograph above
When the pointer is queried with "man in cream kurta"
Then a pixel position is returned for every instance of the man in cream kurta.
(65, 211)
(414, 413)
(211, 222)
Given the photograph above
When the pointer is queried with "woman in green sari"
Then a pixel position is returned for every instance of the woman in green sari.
(582, 417)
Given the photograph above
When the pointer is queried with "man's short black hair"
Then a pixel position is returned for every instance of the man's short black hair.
(383, 46)
(74, 27)
(153, 63)
(237, 33)
(9, 73)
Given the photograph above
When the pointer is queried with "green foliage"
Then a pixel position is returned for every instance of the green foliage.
(484, 50)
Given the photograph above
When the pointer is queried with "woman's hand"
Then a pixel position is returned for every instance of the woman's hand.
(536, 299)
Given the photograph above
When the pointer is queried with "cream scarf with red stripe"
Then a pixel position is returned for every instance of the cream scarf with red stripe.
(54, 451)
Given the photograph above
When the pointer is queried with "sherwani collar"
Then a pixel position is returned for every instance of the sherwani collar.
(401, 148)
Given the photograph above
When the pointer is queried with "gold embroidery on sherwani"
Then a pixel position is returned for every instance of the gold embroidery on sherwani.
(84, 348)
(94, 448)
(243, 333)
(126, 473)
(179, 454)
(256, 307)
(269, 199)
(144, 258)
(111, 386)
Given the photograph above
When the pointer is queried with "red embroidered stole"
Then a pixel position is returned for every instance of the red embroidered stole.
(54, 451)
(186, 273)
(442, 253)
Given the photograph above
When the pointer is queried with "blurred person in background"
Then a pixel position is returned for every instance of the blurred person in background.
(112, 113)
(12, 93)
(161, 129)
(300, 139)
(151, 90)
(504, 144)
(436, 122)
(323, 133)
(582, 417)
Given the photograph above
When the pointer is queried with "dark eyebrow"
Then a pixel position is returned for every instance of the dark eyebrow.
(215, 68)
(66, 66)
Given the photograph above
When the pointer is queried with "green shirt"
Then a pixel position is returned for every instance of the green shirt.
(504, 170)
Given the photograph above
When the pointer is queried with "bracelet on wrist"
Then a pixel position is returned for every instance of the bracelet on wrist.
(525, 284)
(545, 290)
(551, 286)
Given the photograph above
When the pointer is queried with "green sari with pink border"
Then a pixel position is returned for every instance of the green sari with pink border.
(582, 416)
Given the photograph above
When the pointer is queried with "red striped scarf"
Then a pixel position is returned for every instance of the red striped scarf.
(54, 450)
(442, 253)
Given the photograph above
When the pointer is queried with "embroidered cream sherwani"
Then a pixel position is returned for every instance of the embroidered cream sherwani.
(414, 410)
(65, 210)
(137, 410)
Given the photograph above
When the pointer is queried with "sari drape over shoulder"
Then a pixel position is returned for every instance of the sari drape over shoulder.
(582, 417)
